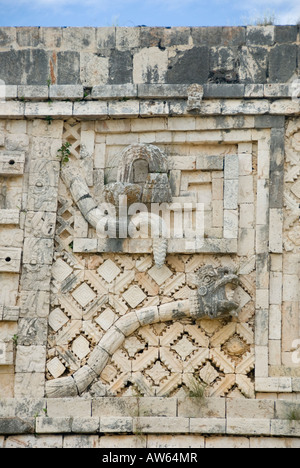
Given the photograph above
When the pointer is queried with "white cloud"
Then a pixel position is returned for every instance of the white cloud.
(284, 11)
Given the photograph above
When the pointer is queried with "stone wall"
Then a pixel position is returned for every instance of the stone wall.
(187, 118)
(114, 56)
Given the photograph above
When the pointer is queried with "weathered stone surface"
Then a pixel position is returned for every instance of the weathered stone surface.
(191, 66)
(68, 66)
(11, 163)
(283, 62)
(118, 325)
(53, 425)
(16, 426)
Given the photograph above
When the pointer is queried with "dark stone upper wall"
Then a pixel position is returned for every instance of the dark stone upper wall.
(96, 56)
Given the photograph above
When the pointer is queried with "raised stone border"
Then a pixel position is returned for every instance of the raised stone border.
(131, 101)
(144, 91)
(147, 415)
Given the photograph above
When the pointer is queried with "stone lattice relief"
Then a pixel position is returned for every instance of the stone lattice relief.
(95, 284)
(90, 293)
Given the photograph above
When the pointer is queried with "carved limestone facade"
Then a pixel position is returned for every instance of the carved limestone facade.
(150, 243)
(192, 316)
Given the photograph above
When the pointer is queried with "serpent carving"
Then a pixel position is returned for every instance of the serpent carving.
(156, 189)
(213, 299)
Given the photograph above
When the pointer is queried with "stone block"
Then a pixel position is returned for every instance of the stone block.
(157, 407)
(176, 441)
(10, 313)
(84, 376)
(79, 38)
(34, 304)
(6, 353)
(262, 321)
(38, 250)
(86, 425)
(253, 64)
(68, 68)
(120, 67)
(221, 91)
(231, 190)
(33, 92)
(286, 34)
(284, 107)
(150, 108)
(10, 260)
(162, 91)
(285, 428)
(165, 425)
(33, 66)
(94, 69)
(42, 198)
(190, 66)
(124, 109)
(150, 65)
(227, 442)
(8, 36)
(11, 92)
(11, 217)
(68, 407)
(124, 441)
(66, 92)
(122, 91)
(210, 163)
(208, 425)
(45, 109)
(85, 245)
(127, 324)
(230, 224)
(116, 425)
(91, 109)
(260, 35)
(58, 425)
(12, 109)
(231, 167)
(273, 385)
(81, 441)
(261, 361)
(40, 224)
(250, 409)
(12, 163)
(29, 385)
(128, 37)
(275, 322)
(30, 359)
(254, 91)
(277, 90)
(243, 426)
(115, 407)
(32, 331)
(106, 37)
(283, 63)
(16, 426)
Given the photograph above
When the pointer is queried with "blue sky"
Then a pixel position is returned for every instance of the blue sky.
(145, 12)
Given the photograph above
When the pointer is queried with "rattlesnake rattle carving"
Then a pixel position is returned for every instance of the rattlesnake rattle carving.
(209, 300)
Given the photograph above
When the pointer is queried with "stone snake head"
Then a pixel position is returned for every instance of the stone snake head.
(214, 297)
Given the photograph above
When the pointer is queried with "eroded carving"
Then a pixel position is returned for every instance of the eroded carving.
(214, 297)
(195, 96)
(212, 300)
(154, 189)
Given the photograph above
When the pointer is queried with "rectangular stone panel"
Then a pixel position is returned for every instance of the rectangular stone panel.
(11, 163)
(10, 260)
